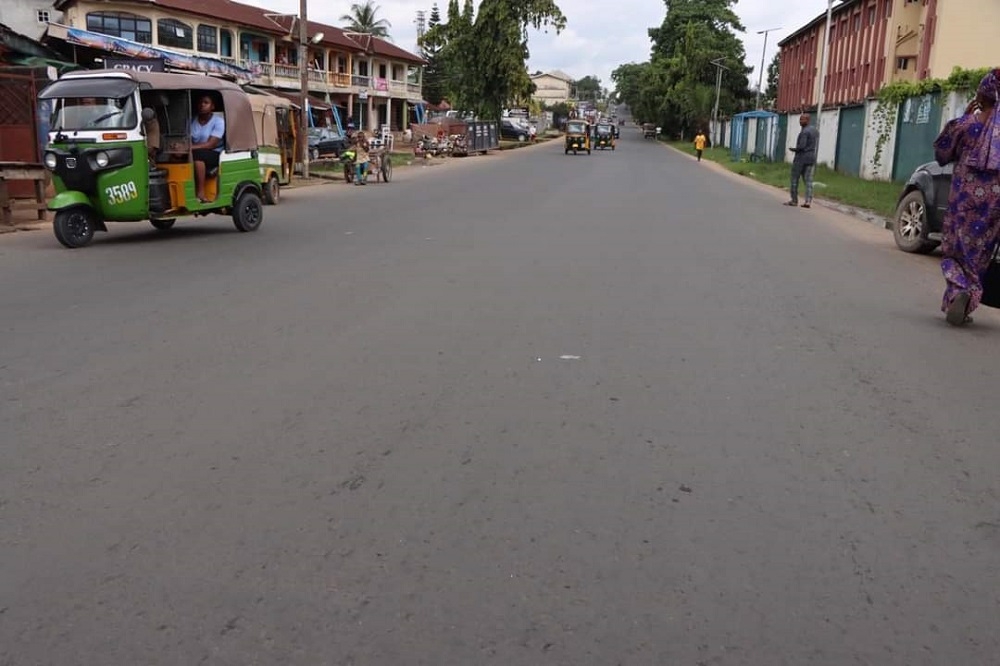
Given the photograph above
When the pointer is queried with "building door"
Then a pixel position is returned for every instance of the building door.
(919, 124)
(850, 139)
(781, 141)
(19, 135)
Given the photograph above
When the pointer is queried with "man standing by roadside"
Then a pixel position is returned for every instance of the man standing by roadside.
(699, 143)
(804, 164)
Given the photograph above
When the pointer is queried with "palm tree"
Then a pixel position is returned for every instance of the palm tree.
(363, 18)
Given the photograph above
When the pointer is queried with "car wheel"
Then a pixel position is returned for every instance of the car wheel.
(248, 212)
(521, 138)
(909, 228)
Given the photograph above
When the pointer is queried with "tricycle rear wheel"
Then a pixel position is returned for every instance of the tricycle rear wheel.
(272, 191)
(74, 227)
(248, 212)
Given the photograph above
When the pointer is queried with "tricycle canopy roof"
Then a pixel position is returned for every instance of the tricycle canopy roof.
(264, 119)
(240, 134)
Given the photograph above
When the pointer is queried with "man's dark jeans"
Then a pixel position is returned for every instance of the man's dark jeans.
(804, 171)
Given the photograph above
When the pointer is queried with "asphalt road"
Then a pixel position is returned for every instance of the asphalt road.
(518, 409)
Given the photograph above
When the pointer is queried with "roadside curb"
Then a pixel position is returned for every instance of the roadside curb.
(869, 216)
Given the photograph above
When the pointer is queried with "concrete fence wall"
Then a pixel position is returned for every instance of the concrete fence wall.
(952, 106)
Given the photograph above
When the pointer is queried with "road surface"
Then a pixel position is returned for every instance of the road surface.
(518, 409)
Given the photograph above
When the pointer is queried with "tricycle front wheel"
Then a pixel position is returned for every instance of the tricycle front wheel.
(74, 227)
(162, 224)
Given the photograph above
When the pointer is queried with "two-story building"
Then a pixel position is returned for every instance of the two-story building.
(876, 42)
(370, 79)
(30, 17)
(552, 87)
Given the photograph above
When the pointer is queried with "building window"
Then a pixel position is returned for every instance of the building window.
(888, 8)
(902, 63)
(171, 32)
(208, 39)
(121, 24)
(383, 72)
(857, 22)
(871, 15)
(341, 64)
(42, 15)
(226, 44)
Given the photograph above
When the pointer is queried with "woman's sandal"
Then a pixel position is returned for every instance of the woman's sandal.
(958, 309)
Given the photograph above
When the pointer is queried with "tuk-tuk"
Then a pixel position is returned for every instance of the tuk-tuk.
(577, 136)
(604, 136)
(120, 150)
(648, 131)
(274, 122)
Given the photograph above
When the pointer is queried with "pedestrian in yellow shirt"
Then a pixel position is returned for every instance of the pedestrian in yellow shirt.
(699, 143)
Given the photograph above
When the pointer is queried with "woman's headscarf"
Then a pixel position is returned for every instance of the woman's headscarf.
(985, 154)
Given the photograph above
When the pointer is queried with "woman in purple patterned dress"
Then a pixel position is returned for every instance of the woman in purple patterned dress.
(972, 224)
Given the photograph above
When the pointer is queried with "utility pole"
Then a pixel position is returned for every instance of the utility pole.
(718, 91)
(763, 55)
(304, 85)
(822, 70)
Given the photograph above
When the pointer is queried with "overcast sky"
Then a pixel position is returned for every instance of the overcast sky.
(599, 35)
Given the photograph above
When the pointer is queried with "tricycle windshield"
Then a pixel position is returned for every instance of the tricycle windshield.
(576, 128)
(89, 113)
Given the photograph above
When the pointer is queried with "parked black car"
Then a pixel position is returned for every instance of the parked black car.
(325, 142)
(511, 130)
(920, 211)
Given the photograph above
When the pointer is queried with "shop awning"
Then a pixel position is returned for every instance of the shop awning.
(124, 47)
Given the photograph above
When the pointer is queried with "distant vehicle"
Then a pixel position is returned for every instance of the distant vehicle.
(509, 129)
(920, 211)
(318, 135)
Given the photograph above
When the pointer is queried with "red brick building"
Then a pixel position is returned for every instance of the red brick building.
(857, 63)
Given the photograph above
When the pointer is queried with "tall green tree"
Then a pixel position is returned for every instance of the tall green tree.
(430, 48)
(773, 74)
(483, 51)
(499, 46)
(676, 87)
(364, 18)
(589, 88)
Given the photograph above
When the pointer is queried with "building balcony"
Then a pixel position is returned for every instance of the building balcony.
(287, 76)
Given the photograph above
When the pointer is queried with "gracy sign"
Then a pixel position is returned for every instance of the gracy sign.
(135, 64)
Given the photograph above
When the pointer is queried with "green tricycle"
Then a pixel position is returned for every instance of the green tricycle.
(128, 146)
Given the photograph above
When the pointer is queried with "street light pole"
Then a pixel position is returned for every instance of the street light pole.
(718, 91)
(763, 56)
(822, 71)
(304, 85)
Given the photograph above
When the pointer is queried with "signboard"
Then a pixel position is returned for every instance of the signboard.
(135, 64)
(363, 95)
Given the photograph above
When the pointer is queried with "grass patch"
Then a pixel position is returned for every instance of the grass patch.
(876, 196)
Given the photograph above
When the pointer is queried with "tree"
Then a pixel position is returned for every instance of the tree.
(676, 87)
(499, 50)
(589, 88)
(363, 18)
(771, 92)
(483, 51)
(430, 48)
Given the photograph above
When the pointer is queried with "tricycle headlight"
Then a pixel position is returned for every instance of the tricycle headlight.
(51, 161)
(101, 159)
